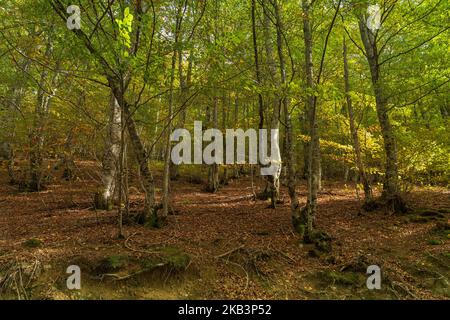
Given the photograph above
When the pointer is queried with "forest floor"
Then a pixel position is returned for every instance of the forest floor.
(218, 246)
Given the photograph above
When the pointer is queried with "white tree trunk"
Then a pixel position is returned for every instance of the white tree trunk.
(111, 156)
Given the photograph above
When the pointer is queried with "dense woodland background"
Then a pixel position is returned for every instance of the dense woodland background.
(86, 117)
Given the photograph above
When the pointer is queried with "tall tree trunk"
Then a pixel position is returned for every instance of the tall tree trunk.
(285, 101)
(368, 196)
(185, 83)
(120, 177)
(9, 128)
(273, 182)
(213, 171)
(141, 155)
(40, 118)
(14, 104)
(236, 167)
(37, 138)
(167, 159)
(110, 163)
(257, 66)
(307, 218)
(390, 189)
(168, 149)
(225, 179)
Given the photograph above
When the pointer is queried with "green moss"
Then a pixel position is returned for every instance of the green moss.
(175, 258)
(152, 223)
(179, 262)
(442, 232)
(33, 243)
(170, 257)
(112, 263)
(301, 228)
(435, 242)
(341, 278)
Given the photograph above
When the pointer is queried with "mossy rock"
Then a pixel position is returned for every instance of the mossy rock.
(33, 243)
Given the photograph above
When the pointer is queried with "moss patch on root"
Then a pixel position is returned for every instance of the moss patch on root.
(112, 263)
(345, 279)
(322, 244)
(171, 258)
(175, 258)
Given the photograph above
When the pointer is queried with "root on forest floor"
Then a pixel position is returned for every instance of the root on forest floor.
(392, 204)
(17, 277)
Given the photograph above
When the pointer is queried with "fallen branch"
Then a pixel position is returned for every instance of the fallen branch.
(229, 252)
(117, 277)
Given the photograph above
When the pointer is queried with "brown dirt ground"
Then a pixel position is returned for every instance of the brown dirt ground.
(266, 259)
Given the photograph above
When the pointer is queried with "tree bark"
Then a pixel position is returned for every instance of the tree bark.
(37, 137)
(147, 181)
(273, 182)
(167, 160)
(285, 101)
(13, 107)
(368, 195)
(213, 171)
(110, 163)
(257, 66)
(185, 83)
(308, 214)
(9, 127)
(390, 188)
(236, 167)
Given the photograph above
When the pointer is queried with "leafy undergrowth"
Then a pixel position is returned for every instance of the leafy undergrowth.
(219, 246)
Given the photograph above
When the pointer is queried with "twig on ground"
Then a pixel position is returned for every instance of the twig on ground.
(229, 252)
(117, 277)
